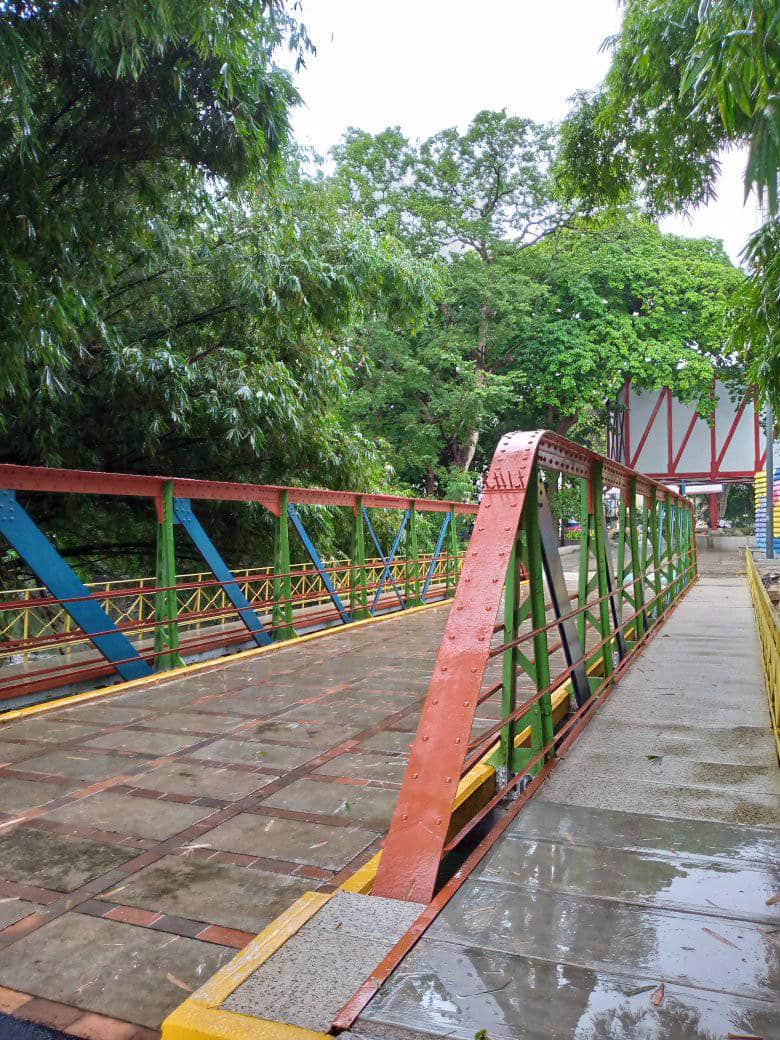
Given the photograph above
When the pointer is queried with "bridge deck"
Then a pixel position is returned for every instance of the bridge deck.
(633, 896)
(215, 799)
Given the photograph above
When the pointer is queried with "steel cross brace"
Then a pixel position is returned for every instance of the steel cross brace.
(52, 571)
(316, 559)
(387, 573)
(183, 514)
(439, 542)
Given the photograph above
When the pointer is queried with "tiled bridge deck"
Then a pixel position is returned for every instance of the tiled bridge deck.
(146, 835)
(638, 894)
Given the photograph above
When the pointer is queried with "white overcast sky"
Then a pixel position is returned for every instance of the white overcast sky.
(428, 64)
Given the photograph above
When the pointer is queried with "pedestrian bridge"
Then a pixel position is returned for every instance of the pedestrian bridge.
(547, 807)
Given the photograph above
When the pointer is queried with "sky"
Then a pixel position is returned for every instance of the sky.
(429, 64)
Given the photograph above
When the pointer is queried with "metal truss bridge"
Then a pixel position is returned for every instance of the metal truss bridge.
(474, 784)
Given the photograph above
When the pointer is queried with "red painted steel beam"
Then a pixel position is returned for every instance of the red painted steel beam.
(89, 482)
(417, 837)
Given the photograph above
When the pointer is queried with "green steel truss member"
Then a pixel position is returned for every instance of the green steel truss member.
(282, 613)
(412, 567)
(600, 531)
(540, 716)
(358, 593)
(166, 603)
(452, 562)
(637, 601)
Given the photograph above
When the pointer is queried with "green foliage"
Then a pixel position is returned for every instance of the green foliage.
(686, 81)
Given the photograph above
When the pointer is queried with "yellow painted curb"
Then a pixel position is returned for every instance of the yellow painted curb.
(200, 666)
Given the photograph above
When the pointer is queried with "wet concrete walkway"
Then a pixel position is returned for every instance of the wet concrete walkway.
(147, 835)
(638, 894)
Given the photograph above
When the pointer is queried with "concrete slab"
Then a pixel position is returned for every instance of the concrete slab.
(17, 795)
(632, 897)
(12, 910)
(205, 890)
(203, 781)
(78, 765)
(142, 741)
(59, 861)
(366, 766)
(293, 840)
(256, 753)
(109, 811)
(366, 805)
(134, 974)
(318, 969)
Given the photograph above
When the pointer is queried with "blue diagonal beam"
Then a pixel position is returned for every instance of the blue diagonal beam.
(387, 573)
(439, 542)
(61, 581)
(316, 559)
(182, 511)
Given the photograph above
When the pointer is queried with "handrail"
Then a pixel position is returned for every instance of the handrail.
(768, 624)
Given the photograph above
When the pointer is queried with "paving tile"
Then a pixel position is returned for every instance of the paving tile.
(202, 781)
(110, 712)
(12, 910)
(133, 974)
(79, 765)
(365, 766)
(145, 742)
(50, 860)
(256, 753)
(51, 727)
(304, 733)
(139, 817)
(291, 840)
(17, 795)
(98, 1027)
(216, 893)
(388, 740)
(48, 1013)
(191, 722)
(365, 805)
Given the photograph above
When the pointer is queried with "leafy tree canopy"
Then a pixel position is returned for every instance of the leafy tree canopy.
(687, 80)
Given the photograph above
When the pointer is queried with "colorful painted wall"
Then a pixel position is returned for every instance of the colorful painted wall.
(760, 499)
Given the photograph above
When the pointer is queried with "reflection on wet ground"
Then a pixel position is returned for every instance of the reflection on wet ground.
(637, 895)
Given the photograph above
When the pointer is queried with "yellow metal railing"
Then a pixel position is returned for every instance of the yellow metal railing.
(769, 635)
(39, 621)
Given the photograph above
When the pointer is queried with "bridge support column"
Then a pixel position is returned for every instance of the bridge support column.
(358, 594)
(166, 600)
(282, 612)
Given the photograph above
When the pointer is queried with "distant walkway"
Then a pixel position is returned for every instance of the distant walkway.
(639, 893)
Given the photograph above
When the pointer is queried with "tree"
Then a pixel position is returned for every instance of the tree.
(458, 196)
(107, 112)
(572, 318)
(686, 81)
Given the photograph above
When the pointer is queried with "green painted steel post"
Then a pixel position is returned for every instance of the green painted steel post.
(282, 613)
(166, 633)
(600, 535)
(585, 544)
(510, 661)
(669, 539)
(358, 594)
(412, 568)
(621, 557)
(655, 536)
(636, 562)
(538, 617)
(452, 563)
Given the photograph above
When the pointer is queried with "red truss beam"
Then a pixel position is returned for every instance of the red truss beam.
(89, 482)
(418, 833)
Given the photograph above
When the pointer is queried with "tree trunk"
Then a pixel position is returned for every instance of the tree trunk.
(465, 451)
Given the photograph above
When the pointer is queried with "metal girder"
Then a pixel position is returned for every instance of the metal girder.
(89, 482)
(439, 542)
(52, 571)
(387, 572)
(182, 509)
(443, 748)
(316, 559)
(559, 594)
